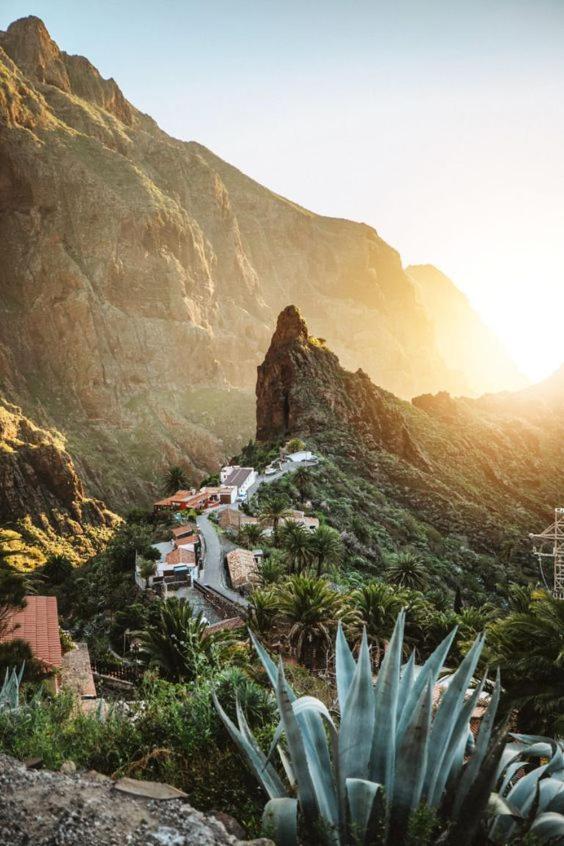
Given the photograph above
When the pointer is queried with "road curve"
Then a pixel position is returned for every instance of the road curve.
(213, 575)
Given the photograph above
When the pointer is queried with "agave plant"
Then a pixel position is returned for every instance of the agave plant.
(529, 799)
(10, 690)
(360, 781)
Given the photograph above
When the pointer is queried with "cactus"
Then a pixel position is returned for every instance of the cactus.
(360, 781)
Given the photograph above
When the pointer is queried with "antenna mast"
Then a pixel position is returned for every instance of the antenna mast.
(550, 544)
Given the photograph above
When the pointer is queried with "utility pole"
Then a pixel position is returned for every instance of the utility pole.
(550, 544)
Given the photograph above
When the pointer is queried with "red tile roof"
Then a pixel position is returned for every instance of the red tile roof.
(187, 541)
(178, 531)
(38, 625)
(181, 556)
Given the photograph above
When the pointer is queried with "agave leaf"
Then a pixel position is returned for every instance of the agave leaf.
(510, 771)
(303, 705)
(445, 720)
(411, 764)
(549, 789)
(530, 739)
(428, 672)
(361, 797)
(383, 753)
(286, 763)
(548, 828)
(407, 676)
(264, 772)
(357, 721)
(557, 803)
(498, 806)
(296, 748)
(466, 822)
(510, 754)
(473, 766)
(309, 712)
(269, 666)
(521, 796)
(280, 821)
(454, 755)
(344, 667)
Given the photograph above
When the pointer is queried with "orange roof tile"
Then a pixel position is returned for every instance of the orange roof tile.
(38, 625)
(181, 556)
(178, 531)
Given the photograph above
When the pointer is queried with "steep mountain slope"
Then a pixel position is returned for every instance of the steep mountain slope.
(490, 469)
(140, 277)
(471, 349)
(41, 495)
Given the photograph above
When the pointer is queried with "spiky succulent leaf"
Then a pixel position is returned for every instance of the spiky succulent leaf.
(453, 761)
(445, 721)
(357, 720)
(363, 814)
(473, 765)
(548, 828)
(280, 821)
(263, 770)
(296, 748)
(429, 672)
(383, 753)
(411, 764)
(344, 667)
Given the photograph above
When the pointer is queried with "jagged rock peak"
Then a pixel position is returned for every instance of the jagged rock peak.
(29, 45)
(290, 327)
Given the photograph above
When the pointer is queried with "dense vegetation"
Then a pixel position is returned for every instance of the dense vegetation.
(367, 562)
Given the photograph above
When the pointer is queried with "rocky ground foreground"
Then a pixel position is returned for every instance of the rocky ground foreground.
(41, 808)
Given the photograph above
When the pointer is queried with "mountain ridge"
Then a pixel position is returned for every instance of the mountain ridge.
(489, 468)
(160, 269)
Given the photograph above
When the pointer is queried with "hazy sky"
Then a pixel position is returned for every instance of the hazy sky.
(438, 122)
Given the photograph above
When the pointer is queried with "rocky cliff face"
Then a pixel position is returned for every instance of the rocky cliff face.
(140, 277)
(484, 468)
(41, 495)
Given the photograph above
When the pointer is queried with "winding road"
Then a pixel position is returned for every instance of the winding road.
(214, 575)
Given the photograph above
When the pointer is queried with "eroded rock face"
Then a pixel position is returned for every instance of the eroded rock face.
(140, 277)
(38, 479)
(476, 466)
(41, 808)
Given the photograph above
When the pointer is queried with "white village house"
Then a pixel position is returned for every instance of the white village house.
(177, 566)
(302, 455)
(241, 478)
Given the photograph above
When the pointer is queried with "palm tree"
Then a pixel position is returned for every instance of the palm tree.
(375, 607)
(311, 608)
(272, 568)
(262, 610)
(302, 480)
(251, 535)
(179, 645)
(147, 568)
(175, 479)
(528, 646)
(272, 512)
(295, 541)
(406, 570)
(326, 548)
